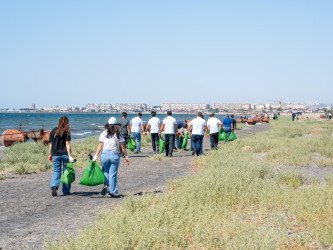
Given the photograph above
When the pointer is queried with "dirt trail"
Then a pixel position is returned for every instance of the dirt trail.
(28, 213)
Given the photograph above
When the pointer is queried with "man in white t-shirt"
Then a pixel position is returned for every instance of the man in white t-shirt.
(154, 129)
(136, 125)
(213, 129)
(198, 126)
(171, 130)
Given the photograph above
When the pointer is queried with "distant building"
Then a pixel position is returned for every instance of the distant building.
(130, 107)
(98, 107)
(32, 106)
(184, 107)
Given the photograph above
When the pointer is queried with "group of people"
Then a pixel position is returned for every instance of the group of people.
(112, 142)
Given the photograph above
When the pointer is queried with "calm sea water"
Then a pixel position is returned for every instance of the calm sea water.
(82, 125)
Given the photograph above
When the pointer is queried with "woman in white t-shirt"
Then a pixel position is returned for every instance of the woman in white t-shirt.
(109, 141)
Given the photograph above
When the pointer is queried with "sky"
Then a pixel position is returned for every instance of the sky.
(70, 53)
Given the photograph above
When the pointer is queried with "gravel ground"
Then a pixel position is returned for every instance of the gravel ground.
(29, 214)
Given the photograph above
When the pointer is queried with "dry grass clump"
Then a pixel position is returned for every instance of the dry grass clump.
(25, 158)
(233, 202)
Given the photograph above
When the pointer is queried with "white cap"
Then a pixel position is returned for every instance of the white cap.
(112, 120)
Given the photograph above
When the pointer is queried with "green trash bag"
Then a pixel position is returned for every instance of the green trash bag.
(131, 144)
(69, 175)
(161, 144)
(184, 144)
(181, 139)
(93, 175)
(232, 136)
(222, 135)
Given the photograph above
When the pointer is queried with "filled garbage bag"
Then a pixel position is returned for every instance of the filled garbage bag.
(232, 136)
(93, 175)
(161, 144)
(69, 175)
(222, 135)
(131, 144)
(184, 144)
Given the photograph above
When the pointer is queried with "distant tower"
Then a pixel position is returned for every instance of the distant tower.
(32, 106)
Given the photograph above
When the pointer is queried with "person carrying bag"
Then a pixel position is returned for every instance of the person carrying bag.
(109, 142)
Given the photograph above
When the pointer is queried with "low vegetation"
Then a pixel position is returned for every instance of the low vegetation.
(234, 201)
(30, 157)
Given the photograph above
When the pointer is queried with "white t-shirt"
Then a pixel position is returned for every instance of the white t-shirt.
(154, 125)
(136, 125)
(213, 124)
(110, 143)
(198, 125)
(169, 123)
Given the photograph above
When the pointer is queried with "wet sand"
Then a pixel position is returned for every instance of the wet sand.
(29, 214)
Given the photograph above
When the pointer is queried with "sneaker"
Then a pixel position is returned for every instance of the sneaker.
(194, 152)
(54, 191)
(104, 190)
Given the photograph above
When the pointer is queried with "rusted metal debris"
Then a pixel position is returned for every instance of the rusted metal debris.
(11, 136)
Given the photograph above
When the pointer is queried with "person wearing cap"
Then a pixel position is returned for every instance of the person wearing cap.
(136, 125)
(213, 129)
(109, 142)
(198, 126)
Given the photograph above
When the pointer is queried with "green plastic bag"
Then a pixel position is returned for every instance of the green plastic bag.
(232, 136)
(161, 144)
(222, 135)
(131, 144)
(184, 144)
(69, 175)
(93, 175)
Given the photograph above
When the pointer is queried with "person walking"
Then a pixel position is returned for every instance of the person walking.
(234, 123)
(198, 126)
(181, 127)
(60, 154)
(227, 123)
(213, 130)
(125, 130)
(154, 129)
(109, 142)
(136, 125)
(171, 131)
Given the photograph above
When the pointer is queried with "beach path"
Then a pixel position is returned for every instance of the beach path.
(29, 214)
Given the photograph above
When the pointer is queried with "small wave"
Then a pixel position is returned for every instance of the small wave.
(93, 124)
(100, 126)
(83, 133)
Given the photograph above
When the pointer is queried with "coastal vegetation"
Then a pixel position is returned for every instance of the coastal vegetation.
(31, 157)
(247, 194)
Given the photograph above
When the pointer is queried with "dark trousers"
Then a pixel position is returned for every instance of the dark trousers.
(169, 143)
(125, 136)
(214, 140)
(197, 142)
(154, 140)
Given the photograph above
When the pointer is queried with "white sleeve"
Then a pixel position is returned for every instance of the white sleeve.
(149, 122)
(102, 137)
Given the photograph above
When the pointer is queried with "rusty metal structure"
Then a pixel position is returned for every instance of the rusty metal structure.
(11, 136)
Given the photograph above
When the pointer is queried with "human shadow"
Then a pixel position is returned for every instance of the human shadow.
(120, 196)
(84, 193)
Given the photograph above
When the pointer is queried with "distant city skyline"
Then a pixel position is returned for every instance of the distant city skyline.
(70, 53)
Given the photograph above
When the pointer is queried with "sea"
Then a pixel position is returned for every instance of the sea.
(81, 124)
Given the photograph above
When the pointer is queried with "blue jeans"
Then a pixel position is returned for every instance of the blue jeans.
(110, 164)
(178, 142)
(137, 136)
(197, 143)
(59, 161)
(228, 131)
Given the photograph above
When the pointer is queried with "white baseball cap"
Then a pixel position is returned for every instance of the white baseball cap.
(112, 120)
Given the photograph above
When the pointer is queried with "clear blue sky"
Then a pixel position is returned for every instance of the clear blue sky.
(70, 53)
